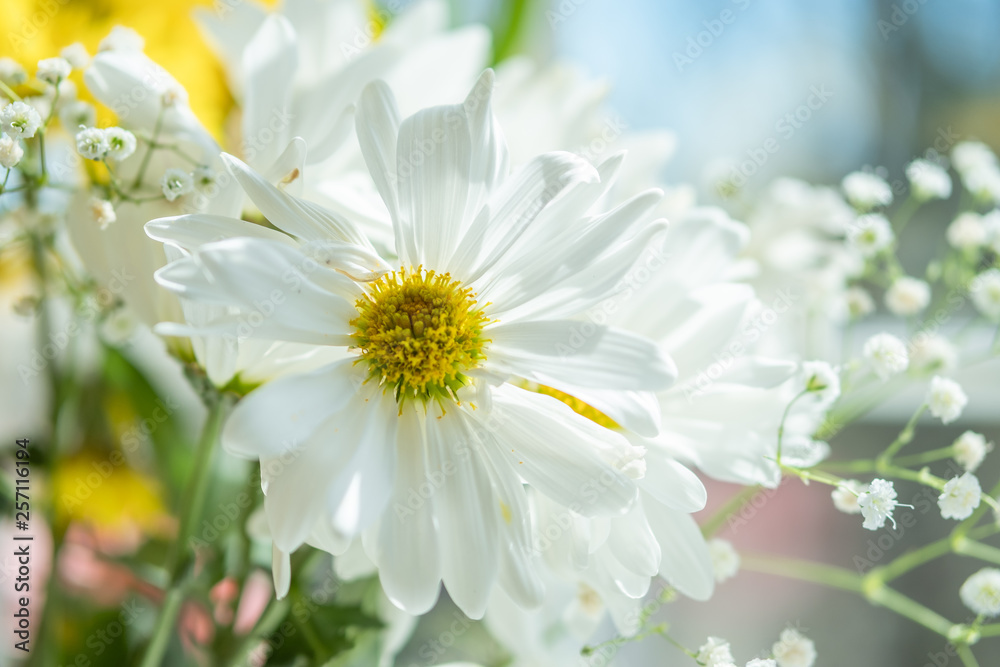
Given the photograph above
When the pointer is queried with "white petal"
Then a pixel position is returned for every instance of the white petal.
(632, 543)
(559, 452)
(685, 563)
(580, 353)
(672, 484)
(466, 512)
(191, 231)
(281, 571)
(269, 62)
(377, 122)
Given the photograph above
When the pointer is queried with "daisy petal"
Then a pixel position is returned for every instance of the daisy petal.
(685, 563)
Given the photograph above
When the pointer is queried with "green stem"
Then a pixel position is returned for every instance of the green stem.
(179, 558)
(926, 457)
(904, 437)
(149, 149)
(733, 505)
(506, 38)
(905, 212)
(978, 550)
(817, 573)
(784, 418)
(9, 92)
(965, 653)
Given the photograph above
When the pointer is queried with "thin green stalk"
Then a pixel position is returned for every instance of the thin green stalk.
(731, 506)
(784, 418)
(904, 213)
(177, 563)
(506, 39)
(9, 92)
(926, 457)
(817, 573)
(149, 149)
(965, 653)
(978, 550)
(904, 437)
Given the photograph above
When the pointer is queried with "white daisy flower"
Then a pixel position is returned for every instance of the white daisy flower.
(10, 151)
(725, 559)
(435, 352)
(946, 399)
(121, 143)
(871, 234)
(907, 296)
(53, 70)
(970, 450)
(960, 496)
(985, 292)
(866, 190)
(886, 354)
(793, 649)
(92, 143)
(846, 495)
(19, 120)
(176, 183)
(928, 180)
(981, 592)
(878, 503)
(715, 652)
(967, 231)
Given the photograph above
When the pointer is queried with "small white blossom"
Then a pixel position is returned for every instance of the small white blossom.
(121, 143)
(866, 190)
(878, 503)
(204, 179)
(967, 231)
(822, 380)
(970, 155)
(103, 212)
(715, 652)
(19, 120)
(10, 151)
(960, 496)
(991, 222)
(932, 354)
(801, 451)
(176, 183)
(858, 302)
(53, 70)
(845, 497)
(970, 450)
(871, 234)
(981, 592)
(725, 560)
(793, 649)
(92, 143)
(907, 296)
(11, 72)
(76, 55)
(928, 180)
(761, 662)
(984, 183)
(77, 113)
(886, 354)
(122, 39)
(173, 95)
(118, 327)
(946, 399)
(985, 292)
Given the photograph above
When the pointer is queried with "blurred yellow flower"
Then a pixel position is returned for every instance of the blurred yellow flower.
(39, 29)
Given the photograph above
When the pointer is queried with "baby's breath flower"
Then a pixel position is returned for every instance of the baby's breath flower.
(204, 179)
(932, 354)
(960, 496)
(76, 55)
(985, 292)
(967, 231)
(866, 190)
(176, 183)
(878, 503)
(725, 560)
(122, 39)
(886, 354)
(981, 592)
(11, 72)
(715, 652)
(970, 450)
(121, 143)
(76, 114)
(845, 496)
(92, 143)
(19, 120)
(984, 183)
(793, 649)
(907, 296)
(53, 70)
(969, 155)
(10, 151)
(103, 212)
(822, 380)
(761, 662)
(946, 399)
(928, 180)
(859, 302)
(871, 234)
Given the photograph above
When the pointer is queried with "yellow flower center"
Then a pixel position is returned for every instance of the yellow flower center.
(420, 332)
